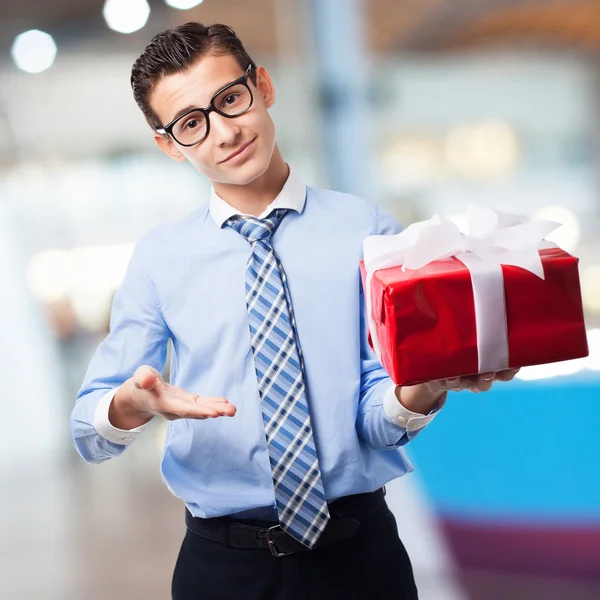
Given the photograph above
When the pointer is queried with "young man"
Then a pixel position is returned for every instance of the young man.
(284, 428)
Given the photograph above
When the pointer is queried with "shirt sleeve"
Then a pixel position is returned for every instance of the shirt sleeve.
(400, 415)
(138, 336)
(382, 422)
(107, 430)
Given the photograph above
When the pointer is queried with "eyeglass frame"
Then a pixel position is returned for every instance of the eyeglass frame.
(168, 129)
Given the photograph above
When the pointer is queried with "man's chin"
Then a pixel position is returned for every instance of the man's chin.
(243, 175)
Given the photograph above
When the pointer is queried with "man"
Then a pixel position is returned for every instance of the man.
(284, 427)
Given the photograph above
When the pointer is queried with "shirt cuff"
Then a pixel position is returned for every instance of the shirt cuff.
(407, 419)
(105, 428)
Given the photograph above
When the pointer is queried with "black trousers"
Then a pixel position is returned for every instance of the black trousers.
(372, 565)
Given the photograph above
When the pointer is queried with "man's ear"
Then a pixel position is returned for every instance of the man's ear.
(265, 86)
(167, 145)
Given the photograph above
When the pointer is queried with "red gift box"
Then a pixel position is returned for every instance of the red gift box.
(425, 318)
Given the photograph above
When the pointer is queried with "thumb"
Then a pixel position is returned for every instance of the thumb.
(146, 378)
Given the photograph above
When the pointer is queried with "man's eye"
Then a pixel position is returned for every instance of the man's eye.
(191, 124)
(230, 99)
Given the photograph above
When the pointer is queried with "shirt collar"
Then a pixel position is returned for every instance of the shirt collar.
(292, 196)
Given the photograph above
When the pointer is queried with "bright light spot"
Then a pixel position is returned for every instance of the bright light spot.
(567, 236)
(565, 367)
(34, 51)
(50, 275)
(487, 149)
(410, 161)
(590, 288)
(126, 16)
(183, 4)
(92, 309)
(87, 276)
(593, 360)
(100, 267)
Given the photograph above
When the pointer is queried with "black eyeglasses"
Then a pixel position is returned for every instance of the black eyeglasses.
(193, 127)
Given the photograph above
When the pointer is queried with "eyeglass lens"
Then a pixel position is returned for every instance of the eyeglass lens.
(231, 102)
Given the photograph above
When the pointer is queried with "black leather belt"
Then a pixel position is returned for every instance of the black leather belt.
(347, 513)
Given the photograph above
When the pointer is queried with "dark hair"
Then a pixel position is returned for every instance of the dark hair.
(177, 50)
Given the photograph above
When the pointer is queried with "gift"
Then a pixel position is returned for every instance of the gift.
(441, 303)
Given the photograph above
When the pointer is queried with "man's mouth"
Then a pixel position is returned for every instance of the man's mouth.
(239, 151)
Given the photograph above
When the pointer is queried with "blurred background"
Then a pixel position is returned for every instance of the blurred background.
(420, 105)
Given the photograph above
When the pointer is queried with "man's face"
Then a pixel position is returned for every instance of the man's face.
(218, 157)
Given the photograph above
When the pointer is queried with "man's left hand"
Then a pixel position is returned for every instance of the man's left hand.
(423, 397)
(474, 383)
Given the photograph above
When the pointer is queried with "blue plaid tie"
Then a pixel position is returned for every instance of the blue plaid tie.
(301, 502)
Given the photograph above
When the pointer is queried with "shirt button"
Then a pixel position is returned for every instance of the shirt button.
(402, 421)
(128, 439)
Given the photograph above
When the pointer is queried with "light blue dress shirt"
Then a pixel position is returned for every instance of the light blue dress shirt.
(185, 283)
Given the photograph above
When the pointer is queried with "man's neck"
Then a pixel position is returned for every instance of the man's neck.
(252, 199)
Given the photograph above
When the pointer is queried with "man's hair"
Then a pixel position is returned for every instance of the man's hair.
(177, 50)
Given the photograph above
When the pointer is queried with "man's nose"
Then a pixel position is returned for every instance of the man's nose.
(224, 130)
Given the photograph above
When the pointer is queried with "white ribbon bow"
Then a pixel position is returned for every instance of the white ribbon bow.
(494, 239)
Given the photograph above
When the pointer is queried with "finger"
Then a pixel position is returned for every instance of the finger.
(468, 383)
(471, 378)
(484, 386)
(454, 383)
(216, 400)
(201, 408)
(186, 396)
(174, 408)
(145, 377)
(484, 382)
(506, 375)
(208, 411)
(193, 406)
(221, 405)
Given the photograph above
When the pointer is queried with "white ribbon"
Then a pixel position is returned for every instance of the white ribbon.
(494, 239)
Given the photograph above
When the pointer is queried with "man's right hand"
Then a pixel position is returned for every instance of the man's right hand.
(147, 394)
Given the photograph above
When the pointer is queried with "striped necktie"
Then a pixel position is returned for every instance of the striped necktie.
(299, 494)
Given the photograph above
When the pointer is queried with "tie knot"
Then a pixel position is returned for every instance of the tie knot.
(255, 229)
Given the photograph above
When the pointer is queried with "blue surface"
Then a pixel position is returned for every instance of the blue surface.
(524, 450)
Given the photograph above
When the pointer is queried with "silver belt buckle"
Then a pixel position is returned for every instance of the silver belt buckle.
(272, 545)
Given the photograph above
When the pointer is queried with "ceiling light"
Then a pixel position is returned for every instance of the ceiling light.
(483, 150)
(126, 16)
(34, 51)
(183, 4)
